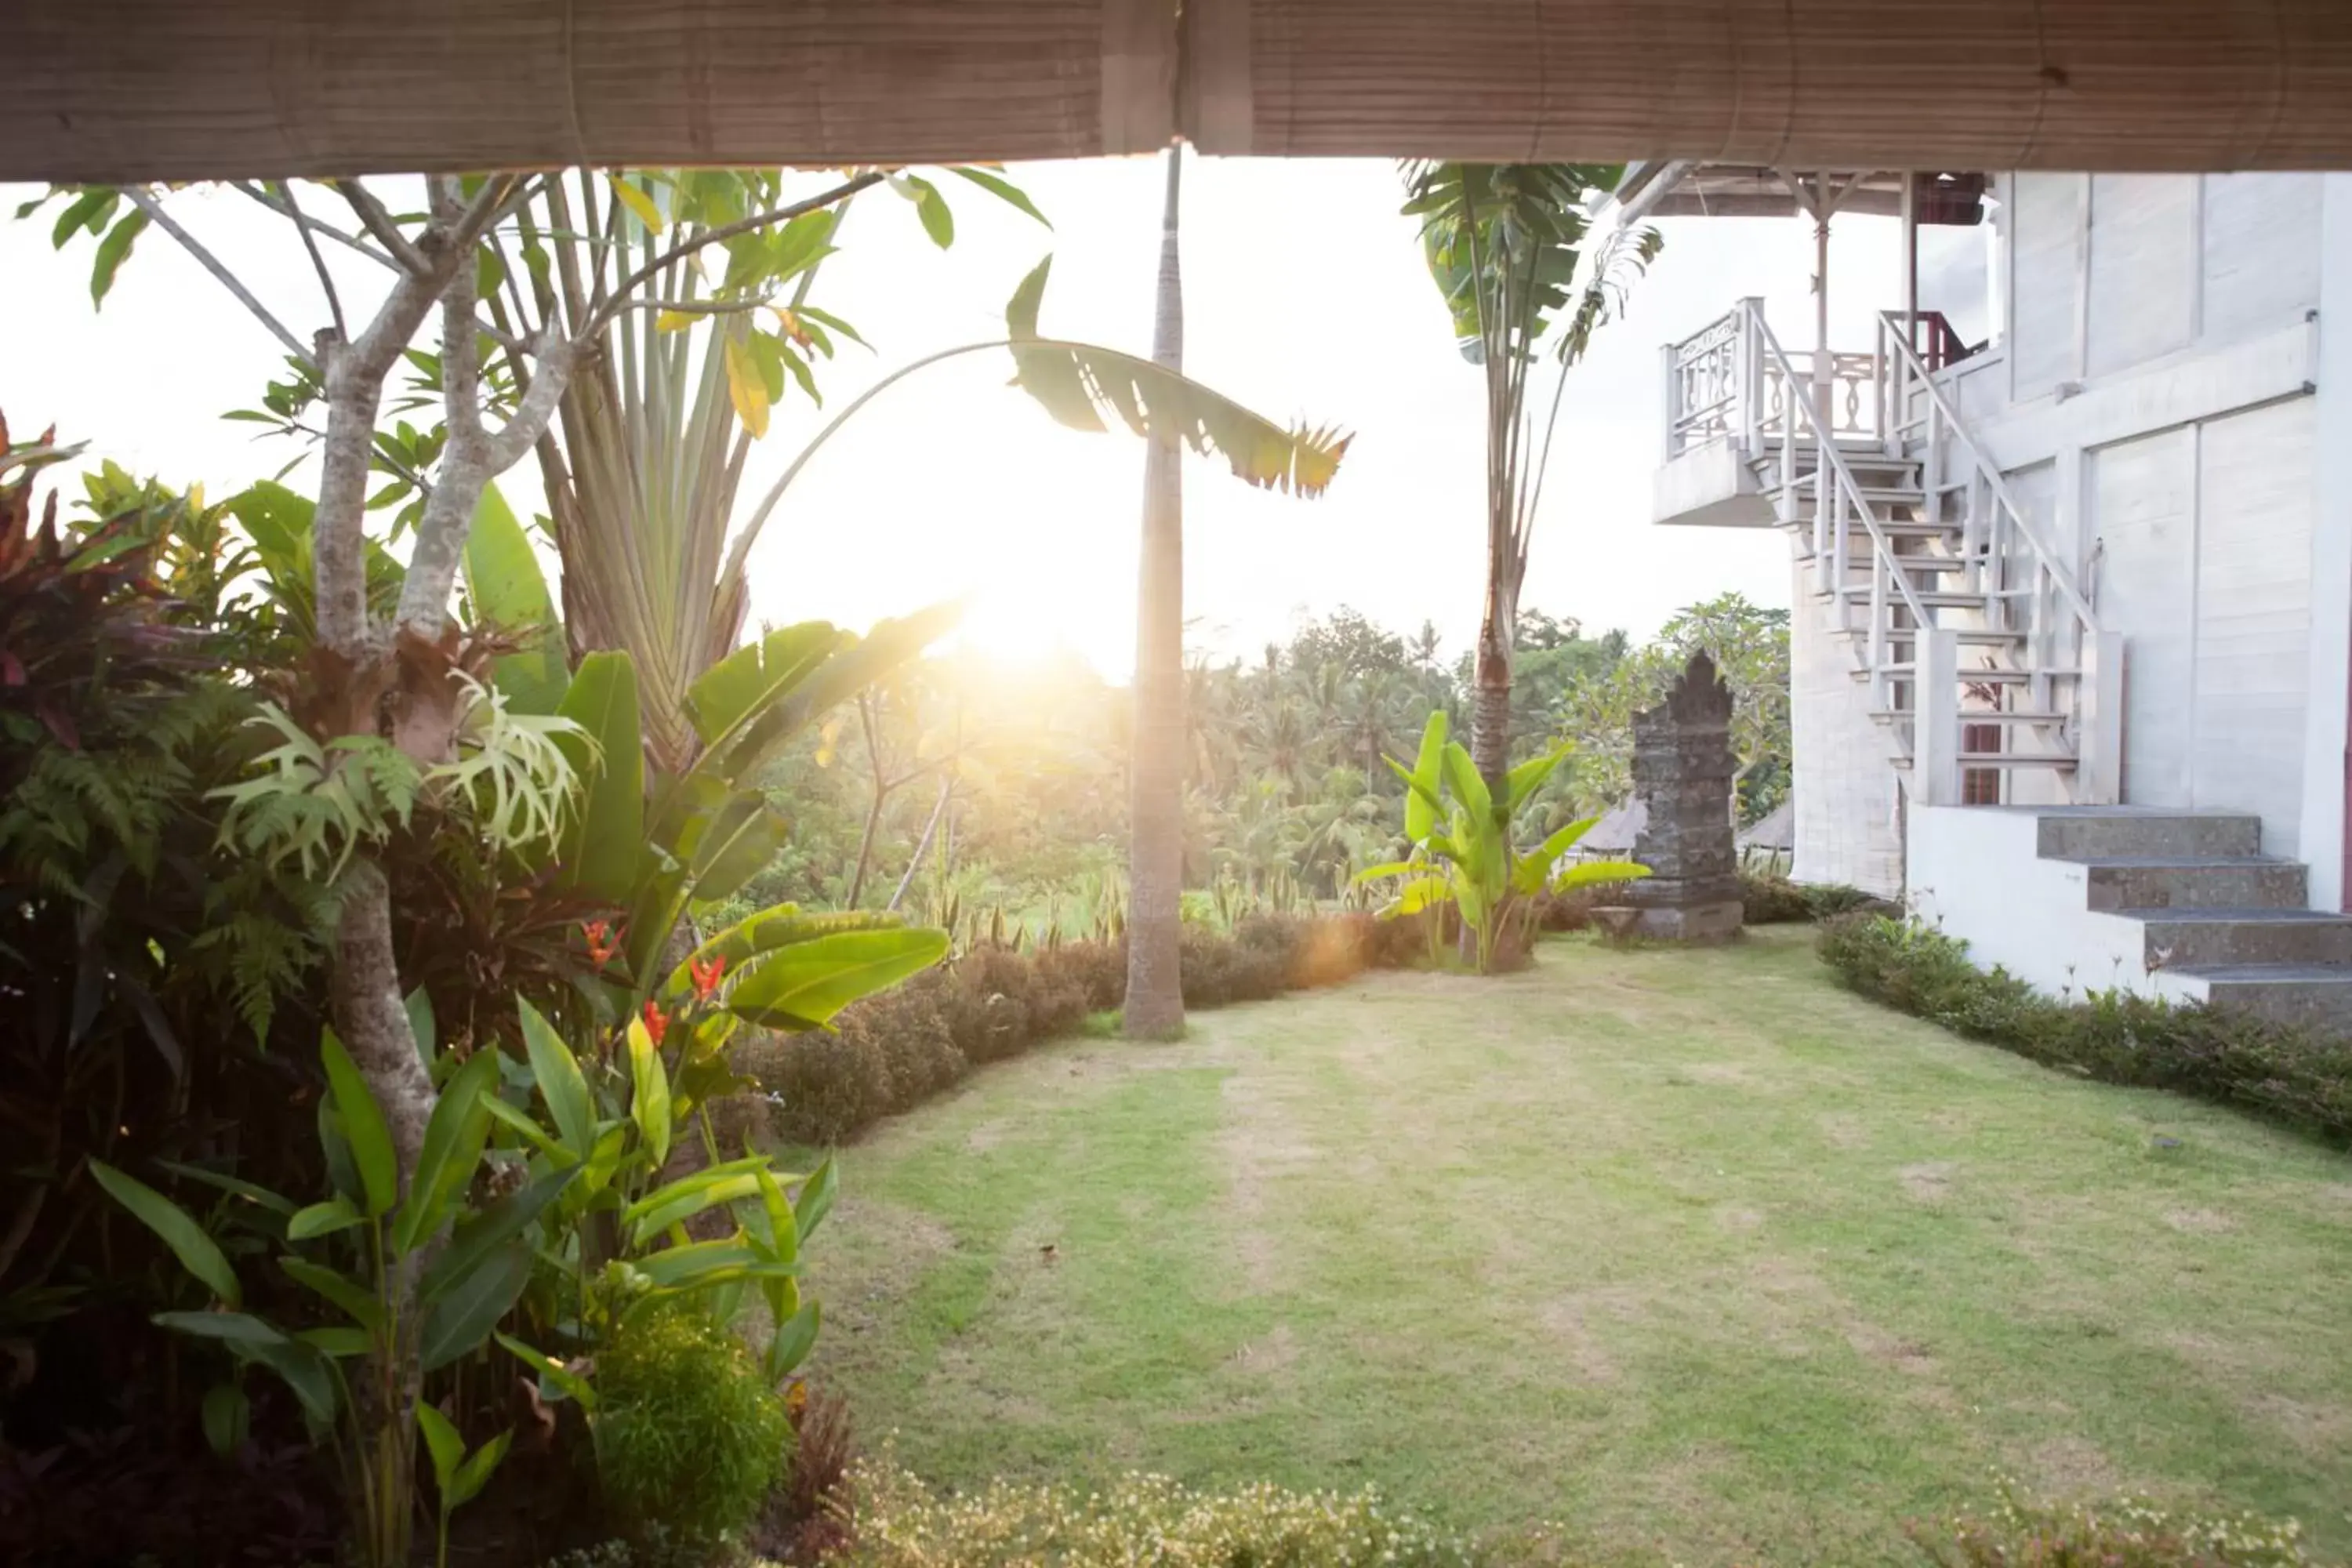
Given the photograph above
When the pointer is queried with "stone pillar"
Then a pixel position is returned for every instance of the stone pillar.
(1683, 771)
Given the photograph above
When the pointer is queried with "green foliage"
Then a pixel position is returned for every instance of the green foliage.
(901, 1523)
(1079, 383)
(2281, 1073)
(1749, 647)
(1464, 855)
(690, 1434)
(318, 804)
(458, 1477)
(1769, 898)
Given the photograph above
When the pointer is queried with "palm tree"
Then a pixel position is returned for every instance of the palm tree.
(643, 463)
(1510, 245)
(1155, 996)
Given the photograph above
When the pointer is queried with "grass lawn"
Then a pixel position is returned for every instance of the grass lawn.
(1690, 1252)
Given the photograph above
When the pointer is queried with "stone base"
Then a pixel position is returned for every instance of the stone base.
(1696, 925)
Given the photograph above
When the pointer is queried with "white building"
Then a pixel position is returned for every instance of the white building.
(2072, 630)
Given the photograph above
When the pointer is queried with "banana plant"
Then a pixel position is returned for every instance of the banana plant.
(353, 1250)
(1463, 853)
(458, 1477)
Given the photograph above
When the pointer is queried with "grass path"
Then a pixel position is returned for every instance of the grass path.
(1690, 1252)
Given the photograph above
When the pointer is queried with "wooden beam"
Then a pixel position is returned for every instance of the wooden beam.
(116, 89)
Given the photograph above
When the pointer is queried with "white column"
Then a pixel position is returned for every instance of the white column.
(2320, 838)
(1935, 718)
(2099, 721)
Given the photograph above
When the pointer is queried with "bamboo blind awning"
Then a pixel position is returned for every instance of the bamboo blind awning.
(115, 89)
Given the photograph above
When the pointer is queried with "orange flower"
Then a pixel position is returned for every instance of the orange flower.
(706, 976)
(603, 944)
(657, 1023)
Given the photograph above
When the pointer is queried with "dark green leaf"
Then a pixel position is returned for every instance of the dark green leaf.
(112, 252)
(493, 1227)
(322, 1219)
(557, 1073)
(454, 1140)
(507, 589)
(602, 846)
(445, 1447)
(363, 1126)
(553, 1373)
(794, 1339)
(462, 1316)
(1001, 188)
(356, 1299)
(231, 1185)
(197, 1253)
(228, 1417)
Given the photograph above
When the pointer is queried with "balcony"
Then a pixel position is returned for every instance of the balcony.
(1728, 406)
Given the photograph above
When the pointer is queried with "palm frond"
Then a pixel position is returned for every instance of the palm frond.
(1079, 384)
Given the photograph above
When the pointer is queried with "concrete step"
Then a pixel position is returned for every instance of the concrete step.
(1933, 599)
(1902, 669)
(1969, 715)
(2101, 832)
(1893, 528)
(2193, 882)
(2236, 937)
(2312, 997)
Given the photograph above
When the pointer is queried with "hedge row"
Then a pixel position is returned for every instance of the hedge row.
(2287, 1075)
(1776, 901)
(890, 1053)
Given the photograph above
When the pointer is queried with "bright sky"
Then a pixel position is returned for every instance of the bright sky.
(1305, 296)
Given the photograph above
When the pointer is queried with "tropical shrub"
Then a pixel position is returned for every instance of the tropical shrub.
(1773, 900)
(2284, 1074)
(690, 1432)
(386, 1235)
(900, 1523)
(1464, 855)
(806, 1520)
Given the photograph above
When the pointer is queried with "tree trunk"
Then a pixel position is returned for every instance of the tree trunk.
(915, 861)
(1155, 995)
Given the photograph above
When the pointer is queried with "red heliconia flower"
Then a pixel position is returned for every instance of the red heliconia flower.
(657, 1022)
(707, 974)
(603, 944)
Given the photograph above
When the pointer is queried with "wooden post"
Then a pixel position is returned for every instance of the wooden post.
(1821, 304)
(1674, 398)
(1911, 259)
(2099, 721)
(1935, 717)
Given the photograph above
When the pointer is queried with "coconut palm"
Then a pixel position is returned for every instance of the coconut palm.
(1155, 997)
(1512, 247)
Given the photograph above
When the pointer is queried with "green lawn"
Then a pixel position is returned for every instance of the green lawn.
(1690, 1252)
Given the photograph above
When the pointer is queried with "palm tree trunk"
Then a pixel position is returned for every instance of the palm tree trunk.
(1155, 996)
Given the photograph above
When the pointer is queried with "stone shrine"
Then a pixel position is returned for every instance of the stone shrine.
(1683, 773)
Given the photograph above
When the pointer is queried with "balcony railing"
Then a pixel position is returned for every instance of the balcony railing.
(1719, 386)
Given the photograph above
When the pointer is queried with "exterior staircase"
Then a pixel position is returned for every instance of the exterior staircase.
(2218, 920)
(1986, 665)
(1991, 683)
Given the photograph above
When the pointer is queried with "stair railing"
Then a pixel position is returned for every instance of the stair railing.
(1838, 504)
(2000, 538)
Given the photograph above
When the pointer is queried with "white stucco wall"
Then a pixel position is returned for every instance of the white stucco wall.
(2160, 420)
(1977, 873)
(1846, 825)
